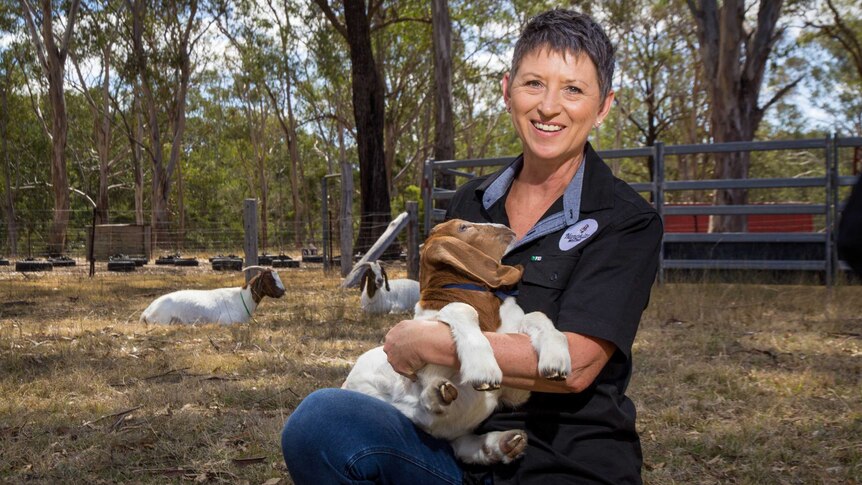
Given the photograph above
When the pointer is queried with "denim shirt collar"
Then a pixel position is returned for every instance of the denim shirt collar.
(496, 187)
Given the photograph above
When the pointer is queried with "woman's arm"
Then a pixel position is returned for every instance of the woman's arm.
(412, 344)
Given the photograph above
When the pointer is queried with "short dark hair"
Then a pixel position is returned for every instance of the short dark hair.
(565, 31)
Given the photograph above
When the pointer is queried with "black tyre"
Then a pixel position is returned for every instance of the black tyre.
(227, 264)
(121, 265)
(62, 261)
(285, 263)
(29, 265)
(186, 262)
(265, 259)
(312, 259)
(4, 262)
(165, 260)
(139, 261)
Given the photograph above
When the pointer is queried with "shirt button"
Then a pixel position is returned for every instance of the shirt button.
(554, 276)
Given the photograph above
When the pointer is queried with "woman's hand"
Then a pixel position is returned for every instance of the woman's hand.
(407, 342)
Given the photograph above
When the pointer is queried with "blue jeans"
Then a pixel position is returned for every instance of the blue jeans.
(340, 436)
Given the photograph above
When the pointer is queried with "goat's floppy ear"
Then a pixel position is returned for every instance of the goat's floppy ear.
(368, 283)
(467, 260)
(385, 277)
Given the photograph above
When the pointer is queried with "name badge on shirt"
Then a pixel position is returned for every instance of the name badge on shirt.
(578, 233)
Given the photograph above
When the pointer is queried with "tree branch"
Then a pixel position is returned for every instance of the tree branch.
(781, 92)
(327, 10)
(38, 45)
(70, 27)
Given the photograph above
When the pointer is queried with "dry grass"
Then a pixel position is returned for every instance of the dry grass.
(734, 383)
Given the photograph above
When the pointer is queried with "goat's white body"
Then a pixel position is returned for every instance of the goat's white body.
(220, 305)
(455, 421)
(402, 296)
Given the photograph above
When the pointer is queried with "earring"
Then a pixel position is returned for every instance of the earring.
(508, 109)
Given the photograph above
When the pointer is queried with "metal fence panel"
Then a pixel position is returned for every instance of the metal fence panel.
(658, 187)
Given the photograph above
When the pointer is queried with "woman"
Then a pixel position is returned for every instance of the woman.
(589, 246)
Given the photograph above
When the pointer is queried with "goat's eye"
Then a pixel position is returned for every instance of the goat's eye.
(463, 227)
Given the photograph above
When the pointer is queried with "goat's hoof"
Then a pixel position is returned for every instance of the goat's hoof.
(513, 446)
(504, 446)
(486, 386)
(554, 374)
(448, 392)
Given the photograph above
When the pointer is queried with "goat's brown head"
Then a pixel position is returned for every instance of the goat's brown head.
(265, 283)
(473, 250)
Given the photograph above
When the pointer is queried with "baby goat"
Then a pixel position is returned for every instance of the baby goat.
(462, 284)
(381, 295)
(221, 305)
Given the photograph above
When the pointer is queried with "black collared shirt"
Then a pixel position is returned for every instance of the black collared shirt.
(591, 275)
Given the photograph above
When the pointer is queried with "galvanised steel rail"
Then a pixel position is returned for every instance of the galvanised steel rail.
(658, 187)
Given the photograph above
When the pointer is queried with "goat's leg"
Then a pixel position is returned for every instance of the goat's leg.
(437, 394)
(491, 448)
(550, 344)
(555, 362)
(478, 366)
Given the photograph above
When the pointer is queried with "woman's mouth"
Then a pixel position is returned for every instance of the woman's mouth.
(545, 127)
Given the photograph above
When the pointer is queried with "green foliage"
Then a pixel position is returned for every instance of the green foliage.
(252, 57)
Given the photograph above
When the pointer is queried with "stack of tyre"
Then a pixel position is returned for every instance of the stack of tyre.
(176, 260)
(230, 262)
(27, 265)
(120, 263)
(284, 261)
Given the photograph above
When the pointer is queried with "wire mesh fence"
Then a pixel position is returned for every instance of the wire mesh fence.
(29, 237)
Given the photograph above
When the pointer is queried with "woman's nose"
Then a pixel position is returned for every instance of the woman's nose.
(550, 104)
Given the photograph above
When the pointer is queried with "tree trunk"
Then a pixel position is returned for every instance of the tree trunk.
(52, 59)
(369, 112)
(9, 202)
(137, 159)
(103, 139)
(163, 174)
(734, 62)
(444, 122)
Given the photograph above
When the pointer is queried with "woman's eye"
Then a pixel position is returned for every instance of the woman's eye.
(533, 84)
(573, 90)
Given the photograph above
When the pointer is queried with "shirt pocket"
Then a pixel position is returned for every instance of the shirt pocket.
(551, 272)
(543, 283)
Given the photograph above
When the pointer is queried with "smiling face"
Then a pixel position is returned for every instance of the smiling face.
(555, 101)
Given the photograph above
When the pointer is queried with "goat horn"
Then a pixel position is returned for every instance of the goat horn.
(254, 267)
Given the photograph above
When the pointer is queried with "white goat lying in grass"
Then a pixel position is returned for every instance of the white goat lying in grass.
(381, 295)
(457, 259)
(221, 305)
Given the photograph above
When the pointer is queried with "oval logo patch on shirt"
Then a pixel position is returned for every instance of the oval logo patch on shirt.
(578, 233)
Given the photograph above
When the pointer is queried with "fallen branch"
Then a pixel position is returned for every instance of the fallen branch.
(120, 413)
(266, 398)
(165, 373)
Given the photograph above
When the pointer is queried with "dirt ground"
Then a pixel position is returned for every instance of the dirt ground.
(734, 383)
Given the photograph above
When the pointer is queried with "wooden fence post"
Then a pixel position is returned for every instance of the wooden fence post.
(324, 222)
(249, 222)
(345, 218)
(413, 240)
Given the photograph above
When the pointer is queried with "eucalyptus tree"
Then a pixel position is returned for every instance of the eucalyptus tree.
(355, 24)
(52, 48)
(278, 83)
(735, 49)
(837, 30)
(164, 35)
(659, 93)
(7, 83)
(444, 122)
(98, 39)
